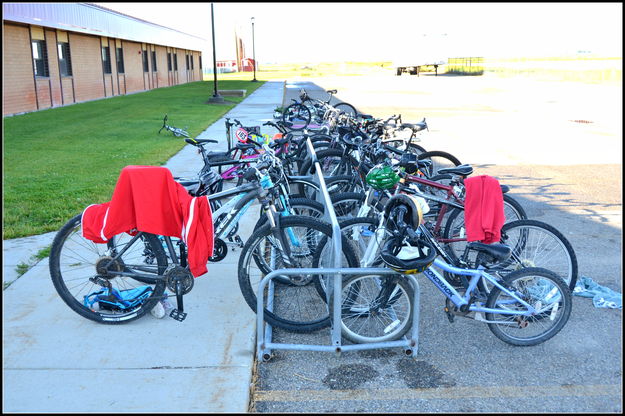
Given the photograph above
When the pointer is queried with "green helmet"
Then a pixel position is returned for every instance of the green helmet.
(382, 177)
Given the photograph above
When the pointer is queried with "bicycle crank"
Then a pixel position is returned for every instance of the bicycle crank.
(220, 250)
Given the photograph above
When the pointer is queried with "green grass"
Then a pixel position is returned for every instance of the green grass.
(58, 161)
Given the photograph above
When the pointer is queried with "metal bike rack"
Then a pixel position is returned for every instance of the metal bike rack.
(264, 342)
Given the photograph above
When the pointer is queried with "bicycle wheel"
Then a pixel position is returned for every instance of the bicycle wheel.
(401, 146)
(333, 162)
(296, 306)
(299, 206)
(439, 160)
(347, 204)
(543, 290)
(347, 109)
(375, 308)
(296, 117)
(537, 244)
(360, 232)
(81, 269)
(335, 184)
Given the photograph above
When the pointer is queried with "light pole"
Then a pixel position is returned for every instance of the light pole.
(253, 51)
(216, 98)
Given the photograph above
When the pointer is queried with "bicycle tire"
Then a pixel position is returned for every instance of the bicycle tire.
(533, 243)
(375, 308)
(401, 146)
(540, 286)
(301, 207)
(358, 231)
(297, 307)
(344, 164)
(347, 204)
(298, 115)
(347, 108)
(74, 259)
(440, 160)
(335, 184)
(529, 250)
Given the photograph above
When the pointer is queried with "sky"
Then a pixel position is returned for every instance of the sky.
(336, 32)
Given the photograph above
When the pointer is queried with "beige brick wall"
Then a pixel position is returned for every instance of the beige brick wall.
(133, 67)
(87, 66)
(67, 84)
(161, 66)
(18, 85)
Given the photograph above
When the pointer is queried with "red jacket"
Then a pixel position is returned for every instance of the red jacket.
(483, 209)
(146, 198)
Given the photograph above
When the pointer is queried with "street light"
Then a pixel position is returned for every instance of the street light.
(216, 98)
(253, 51)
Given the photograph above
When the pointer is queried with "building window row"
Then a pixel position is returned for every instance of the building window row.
(40, 59)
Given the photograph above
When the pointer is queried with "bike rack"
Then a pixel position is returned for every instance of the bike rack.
(264, 342)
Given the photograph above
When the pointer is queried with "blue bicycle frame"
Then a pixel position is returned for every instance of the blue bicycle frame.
(476, 274)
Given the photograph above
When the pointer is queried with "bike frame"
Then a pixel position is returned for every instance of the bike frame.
(441, 283)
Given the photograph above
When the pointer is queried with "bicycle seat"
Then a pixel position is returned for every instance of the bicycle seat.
(504, 188)
(462, 170)
(495, 252)
(414, 126)
(331, 91)
(206, 141)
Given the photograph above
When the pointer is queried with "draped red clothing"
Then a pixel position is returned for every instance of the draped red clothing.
(148, 199)
(483, 209)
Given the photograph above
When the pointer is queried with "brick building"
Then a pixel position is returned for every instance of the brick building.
(55, 54)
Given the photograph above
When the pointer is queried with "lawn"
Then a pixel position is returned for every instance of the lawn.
(58, 161)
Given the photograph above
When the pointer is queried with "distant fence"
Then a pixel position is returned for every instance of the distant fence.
(465, 66)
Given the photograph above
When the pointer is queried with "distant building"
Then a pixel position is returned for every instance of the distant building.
(55, 54)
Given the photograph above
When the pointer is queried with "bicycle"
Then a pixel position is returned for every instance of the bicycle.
(299, 115)
(121, 280)
(526, 307)
(178, 132)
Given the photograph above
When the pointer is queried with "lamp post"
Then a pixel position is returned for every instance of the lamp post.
(253, 51)
(216, 98)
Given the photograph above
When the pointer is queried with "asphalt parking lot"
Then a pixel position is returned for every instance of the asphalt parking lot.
(559, 147)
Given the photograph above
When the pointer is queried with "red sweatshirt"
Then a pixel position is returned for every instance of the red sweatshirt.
(146, 198)
(483, 209)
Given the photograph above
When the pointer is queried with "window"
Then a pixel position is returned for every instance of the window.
(191, 56)
(154, 61)
(144, 56)
(106, 59)
(175, 61)
(40, 58)
(119, 54)
(169, 61)
(65, 61)
(200, 59)
(186, 58)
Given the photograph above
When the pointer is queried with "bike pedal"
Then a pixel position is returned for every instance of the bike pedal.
(450, 315)
(177, 315)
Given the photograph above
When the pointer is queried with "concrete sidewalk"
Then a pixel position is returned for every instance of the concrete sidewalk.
(56, 361)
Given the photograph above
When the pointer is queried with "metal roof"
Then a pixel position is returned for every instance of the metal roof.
(100, 21)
